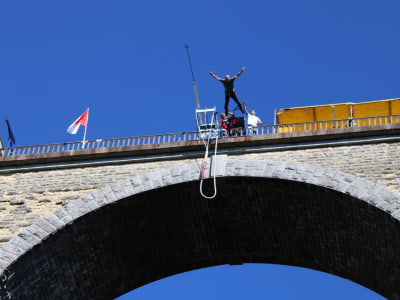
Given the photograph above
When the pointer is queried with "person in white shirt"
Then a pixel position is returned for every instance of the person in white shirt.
(252, 119)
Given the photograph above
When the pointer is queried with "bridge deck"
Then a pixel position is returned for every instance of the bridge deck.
(387, 127)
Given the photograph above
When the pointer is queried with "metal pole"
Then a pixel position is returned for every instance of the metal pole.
(275, 116)
(84, 135)
(196, 94)
(194, 81)
(190, 61)
(1, 147)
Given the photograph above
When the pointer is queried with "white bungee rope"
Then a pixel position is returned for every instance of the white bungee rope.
(204, 164)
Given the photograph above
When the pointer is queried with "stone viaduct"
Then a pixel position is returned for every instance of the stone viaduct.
(98, 223)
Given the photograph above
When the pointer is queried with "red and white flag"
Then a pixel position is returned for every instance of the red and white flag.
(82, 120)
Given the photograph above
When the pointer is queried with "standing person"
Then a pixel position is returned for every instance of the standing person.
(229, 89)
(252, 119)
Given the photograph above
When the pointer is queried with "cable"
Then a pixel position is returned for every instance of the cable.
(204, 163)
(214, 175)
(190, 61)
(196, 94)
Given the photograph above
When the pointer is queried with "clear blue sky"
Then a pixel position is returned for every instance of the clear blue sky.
(126, 61)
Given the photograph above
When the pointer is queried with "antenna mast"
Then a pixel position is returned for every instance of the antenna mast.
(194, 81)
(207, 127)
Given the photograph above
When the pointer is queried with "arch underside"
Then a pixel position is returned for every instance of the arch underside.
(169, 230)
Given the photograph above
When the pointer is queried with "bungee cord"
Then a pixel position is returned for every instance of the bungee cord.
(204, 163)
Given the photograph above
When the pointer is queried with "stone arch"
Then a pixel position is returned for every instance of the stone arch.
(156, 225)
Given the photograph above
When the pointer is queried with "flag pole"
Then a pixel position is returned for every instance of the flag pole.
(84, 135)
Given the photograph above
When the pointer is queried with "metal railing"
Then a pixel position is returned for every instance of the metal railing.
(194, 136)
(324, 125)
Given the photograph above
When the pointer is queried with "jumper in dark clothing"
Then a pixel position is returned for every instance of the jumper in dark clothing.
(230, 92)
(228, 85)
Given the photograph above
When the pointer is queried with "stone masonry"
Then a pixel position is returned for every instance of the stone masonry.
(25, 197)
(151, 226)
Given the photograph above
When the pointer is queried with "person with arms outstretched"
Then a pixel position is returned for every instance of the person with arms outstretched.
(229, 89)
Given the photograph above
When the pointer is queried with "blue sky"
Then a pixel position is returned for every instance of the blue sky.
(252, 281)
(126, 61)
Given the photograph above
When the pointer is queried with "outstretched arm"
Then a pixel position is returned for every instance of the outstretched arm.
(215, 76)
(240, 72)
(244, 107)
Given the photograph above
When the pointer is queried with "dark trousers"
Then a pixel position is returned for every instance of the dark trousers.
(234, 97)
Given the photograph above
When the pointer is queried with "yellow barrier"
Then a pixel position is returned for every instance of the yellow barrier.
(338, 111)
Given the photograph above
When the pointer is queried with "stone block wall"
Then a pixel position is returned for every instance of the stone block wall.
(25, 197)
(379, 163)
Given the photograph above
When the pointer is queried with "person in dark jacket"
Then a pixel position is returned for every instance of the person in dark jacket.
(229, 89)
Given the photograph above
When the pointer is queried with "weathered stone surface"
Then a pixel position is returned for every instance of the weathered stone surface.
(55, 221)
(31, 195)
(99, 197)
(369, 172)
(21, 243)
(29, 237)
(63, 215)
(255, 217)
(46, 225)
(13, 251)
(37, 231)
